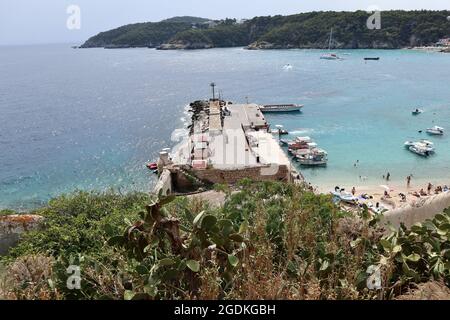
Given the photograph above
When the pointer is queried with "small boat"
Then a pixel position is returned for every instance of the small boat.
(345, 197)
(330, 55)
(316, 157)
(372, 58)
(419, 150)
(416, 112)
(152, 166)
(299, 143)
(280, 108)
(299, 152)
(287, 67)
(436, 131)
(425, 145)
(281, 130)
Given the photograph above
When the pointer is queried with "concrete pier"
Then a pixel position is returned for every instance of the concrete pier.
(229, 142)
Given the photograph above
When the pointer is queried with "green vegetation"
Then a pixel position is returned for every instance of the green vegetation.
(306, 30)
(78, 223)
(6, 212)
(138, 35)
(269, 240)
(187, 19)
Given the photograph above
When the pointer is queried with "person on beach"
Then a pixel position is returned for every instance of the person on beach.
(429, 187)
(353, 191)
(422, 192)
(408, 181)
(388, 176)
(403, 197)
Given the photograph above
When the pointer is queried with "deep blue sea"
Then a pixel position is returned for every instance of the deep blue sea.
(89, 119)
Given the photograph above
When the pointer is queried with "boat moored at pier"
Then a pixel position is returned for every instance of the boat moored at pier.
(281, 108)
(315, 157)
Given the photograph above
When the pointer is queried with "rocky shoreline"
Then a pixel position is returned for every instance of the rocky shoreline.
(184, 45)
(265, 45)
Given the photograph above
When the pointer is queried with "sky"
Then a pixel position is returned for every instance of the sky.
(45, 21)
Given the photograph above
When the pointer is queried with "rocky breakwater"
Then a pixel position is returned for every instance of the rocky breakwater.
(12, 226)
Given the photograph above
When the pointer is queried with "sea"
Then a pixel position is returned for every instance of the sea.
(90, 119)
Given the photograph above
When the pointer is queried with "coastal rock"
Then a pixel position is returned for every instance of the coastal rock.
(12, 226)
(184, 45)
(265, 45)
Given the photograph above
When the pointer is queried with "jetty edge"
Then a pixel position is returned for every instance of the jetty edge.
(226, 143)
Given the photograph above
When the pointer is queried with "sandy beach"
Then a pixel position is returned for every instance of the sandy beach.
(410, 211)
(395, 189)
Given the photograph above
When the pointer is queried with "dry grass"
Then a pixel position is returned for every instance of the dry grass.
(28, 278)
(432, 290)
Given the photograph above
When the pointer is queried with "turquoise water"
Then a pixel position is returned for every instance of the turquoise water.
(90, 119)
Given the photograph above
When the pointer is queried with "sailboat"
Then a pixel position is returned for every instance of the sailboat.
(330, 56)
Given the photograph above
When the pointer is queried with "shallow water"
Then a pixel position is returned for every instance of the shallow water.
(90, 119)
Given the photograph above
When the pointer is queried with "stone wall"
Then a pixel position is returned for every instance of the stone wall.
(231, 176)
(12, 226)
(181, 183)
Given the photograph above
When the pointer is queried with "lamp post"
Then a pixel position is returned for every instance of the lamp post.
(213, 85)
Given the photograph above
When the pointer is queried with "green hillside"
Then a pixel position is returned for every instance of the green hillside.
(305, 30)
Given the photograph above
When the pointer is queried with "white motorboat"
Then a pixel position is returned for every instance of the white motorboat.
(315, 157)
(436, 131)
(345, 196)
(417, 149)
(425, 145)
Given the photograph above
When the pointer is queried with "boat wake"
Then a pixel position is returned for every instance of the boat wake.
(301, 131)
